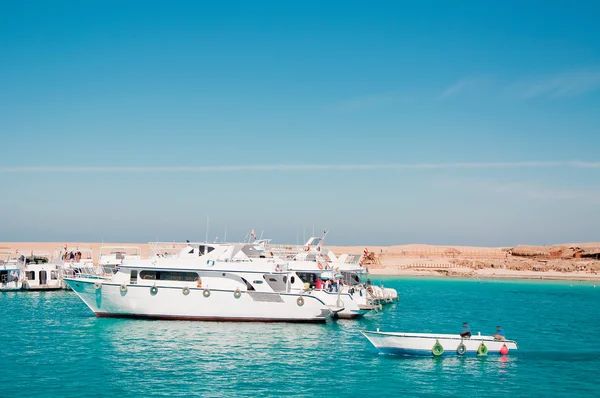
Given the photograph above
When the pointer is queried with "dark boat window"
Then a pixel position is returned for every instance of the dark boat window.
(202, 250)
(249, 286)
(133, 278)
(30, 275)
(169, 276)
(292, 280)
(284, 279)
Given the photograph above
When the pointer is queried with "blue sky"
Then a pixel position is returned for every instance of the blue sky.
(394, 122)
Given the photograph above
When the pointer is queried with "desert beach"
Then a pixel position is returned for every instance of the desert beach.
(573, 261)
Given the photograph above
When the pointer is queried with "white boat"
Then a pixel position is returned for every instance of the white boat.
(437, 344)
(40, 271)
(316, 265)
(208, 282)
(10, 274)
(76, 260)
(111, 257)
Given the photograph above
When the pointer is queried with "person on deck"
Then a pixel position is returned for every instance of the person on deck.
(466, 330)
(318, 283)
(499, 335)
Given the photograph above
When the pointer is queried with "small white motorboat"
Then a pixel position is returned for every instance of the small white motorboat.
(438, 344)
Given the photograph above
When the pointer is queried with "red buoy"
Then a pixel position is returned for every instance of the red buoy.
(504, 350)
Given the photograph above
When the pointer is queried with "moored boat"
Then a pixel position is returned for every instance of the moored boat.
(204, 282)
(41, 271)
(426, 344)
(10, 274)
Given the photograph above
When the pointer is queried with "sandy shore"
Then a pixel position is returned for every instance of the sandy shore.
(487, 274)
(404, 260)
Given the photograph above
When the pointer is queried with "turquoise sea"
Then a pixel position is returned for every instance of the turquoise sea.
(52, 345)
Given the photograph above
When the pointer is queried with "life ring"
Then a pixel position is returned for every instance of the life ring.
(320, 265)
(504, 350)
(437, 349)
(97, 285)
(185, 291)
(461, 349)
(153, 290)
(300, 301)
(237, 294)
(482, 349)
(206, 293)
(123, 288)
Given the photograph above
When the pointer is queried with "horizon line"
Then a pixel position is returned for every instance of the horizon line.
(302, 167)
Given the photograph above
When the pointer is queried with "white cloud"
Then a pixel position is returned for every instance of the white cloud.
(536, 191)
(567, 84)
(469, 84)
(300, 167)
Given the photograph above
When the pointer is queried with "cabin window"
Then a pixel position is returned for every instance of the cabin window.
(30, 275)
(169, 276)
(133, 278)
(284, 279)
(257, 282)
(249, 286)
(202, 250)
(53, 275)
(292, 280)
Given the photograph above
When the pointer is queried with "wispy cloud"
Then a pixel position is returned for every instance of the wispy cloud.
(537, 191)
(567, 84)
(544, 193)
(367, 102)
(465, 85)
(300, 167)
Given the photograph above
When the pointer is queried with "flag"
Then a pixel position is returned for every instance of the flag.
(253, 234)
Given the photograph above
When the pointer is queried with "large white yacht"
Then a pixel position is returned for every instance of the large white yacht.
(210, 282)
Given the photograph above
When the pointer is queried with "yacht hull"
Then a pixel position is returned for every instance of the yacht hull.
(108, 299)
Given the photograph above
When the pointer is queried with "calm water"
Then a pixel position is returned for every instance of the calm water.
(52, 345)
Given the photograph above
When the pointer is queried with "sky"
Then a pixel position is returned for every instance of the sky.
(386, 122)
